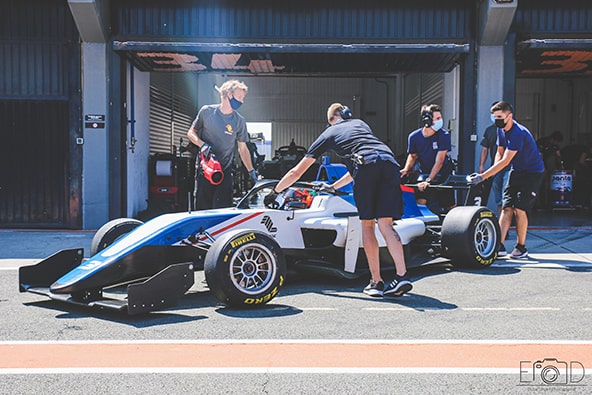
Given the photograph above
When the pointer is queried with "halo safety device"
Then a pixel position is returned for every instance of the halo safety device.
(427, 118)
(212, 169)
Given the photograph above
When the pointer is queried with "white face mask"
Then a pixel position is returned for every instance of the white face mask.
(438, 125)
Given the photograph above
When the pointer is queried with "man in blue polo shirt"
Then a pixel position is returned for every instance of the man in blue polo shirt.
(489, 144)
(377, 190)
(429, 147)
(517, 147)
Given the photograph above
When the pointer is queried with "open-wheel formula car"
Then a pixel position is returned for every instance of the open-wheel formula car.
(245, 250)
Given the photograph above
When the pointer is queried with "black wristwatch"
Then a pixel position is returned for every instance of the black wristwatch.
(428, 180)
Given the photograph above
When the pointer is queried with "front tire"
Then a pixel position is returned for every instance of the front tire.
(111, 231)
(245, 268)
(470, 236)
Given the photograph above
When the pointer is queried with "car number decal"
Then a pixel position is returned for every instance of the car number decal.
(268, 223)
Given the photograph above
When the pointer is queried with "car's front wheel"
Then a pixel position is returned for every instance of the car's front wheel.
(470, 236)
(112, 231)
(245, 268)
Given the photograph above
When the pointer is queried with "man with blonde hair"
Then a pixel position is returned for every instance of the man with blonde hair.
(215, 130)
(377, 190)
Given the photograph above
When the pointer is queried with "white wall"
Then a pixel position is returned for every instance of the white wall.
(137, 158)
(95, 179)
(451, 107)
(490, 81)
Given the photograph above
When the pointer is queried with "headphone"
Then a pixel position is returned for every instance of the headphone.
(427, 118)
(345, 112)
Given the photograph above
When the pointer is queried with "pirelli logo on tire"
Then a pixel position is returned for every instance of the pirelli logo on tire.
(242, 240)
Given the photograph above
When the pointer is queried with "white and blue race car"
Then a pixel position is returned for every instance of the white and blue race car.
(246, 250)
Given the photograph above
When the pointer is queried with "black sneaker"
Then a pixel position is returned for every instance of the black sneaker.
(520, 251)
(399, 286)
(374, 289)
(501, 251)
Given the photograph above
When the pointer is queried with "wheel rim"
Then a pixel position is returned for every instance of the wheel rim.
(252, 268)
(485, 240)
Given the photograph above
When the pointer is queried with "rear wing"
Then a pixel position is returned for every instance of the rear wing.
(477, 195)
(474, 195)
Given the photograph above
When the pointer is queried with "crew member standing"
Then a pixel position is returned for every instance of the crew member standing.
(517, 147)
(489, 144)
(429, 147)
(215, 130)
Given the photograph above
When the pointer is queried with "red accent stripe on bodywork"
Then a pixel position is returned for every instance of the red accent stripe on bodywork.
(232, 225)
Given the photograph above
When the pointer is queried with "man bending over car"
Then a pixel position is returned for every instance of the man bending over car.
(377, 191)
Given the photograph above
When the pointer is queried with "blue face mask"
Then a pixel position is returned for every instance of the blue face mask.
(438, 125)
(235, 104)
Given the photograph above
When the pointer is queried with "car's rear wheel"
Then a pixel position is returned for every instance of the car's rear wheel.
(470, 236)
(245, 268)
(111, 231)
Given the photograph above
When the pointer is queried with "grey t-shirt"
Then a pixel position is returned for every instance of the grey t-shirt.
(221, 132)
(347, 137)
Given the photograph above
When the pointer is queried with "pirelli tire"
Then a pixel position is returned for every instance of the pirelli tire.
(245, 268)
(111, 231)
(470, 236)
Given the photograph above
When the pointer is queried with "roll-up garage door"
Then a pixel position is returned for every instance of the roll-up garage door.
(171, 115)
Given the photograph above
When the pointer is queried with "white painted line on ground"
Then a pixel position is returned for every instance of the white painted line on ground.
(382, 309)
(510, 308)
(540, 265)
(301, 341)
(263, 370)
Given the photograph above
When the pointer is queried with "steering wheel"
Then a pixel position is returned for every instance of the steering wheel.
(273, 205)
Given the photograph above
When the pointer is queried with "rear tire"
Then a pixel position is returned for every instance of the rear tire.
(245, 268)
(111, 231)
(470, 236)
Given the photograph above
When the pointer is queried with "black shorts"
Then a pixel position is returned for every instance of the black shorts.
(377, 190)
(522, 189)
